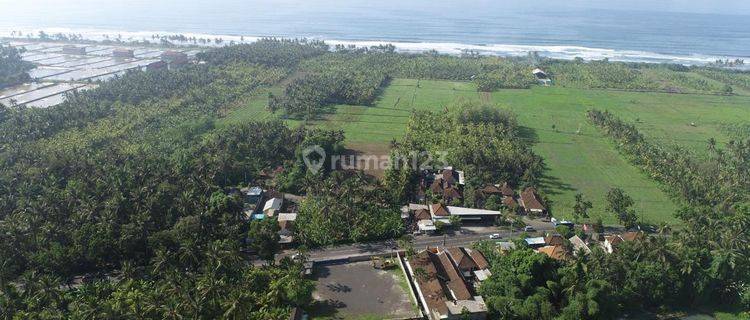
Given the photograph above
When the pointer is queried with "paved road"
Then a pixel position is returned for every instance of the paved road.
(463, 238)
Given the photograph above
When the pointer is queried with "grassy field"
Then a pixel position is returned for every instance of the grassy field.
(578, 157)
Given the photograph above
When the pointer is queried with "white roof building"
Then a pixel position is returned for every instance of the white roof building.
(461, 211)
(538, 241)
(426, 226)
(272, 206)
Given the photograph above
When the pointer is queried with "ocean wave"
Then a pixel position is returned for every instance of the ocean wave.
(550, 51)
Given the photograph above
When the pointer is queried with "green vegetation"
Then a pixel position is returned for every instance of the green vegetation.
(366, 213)
(128, 185)
(718, 182)
(132, 186)
(13, 69)
(482, 141)
(700, 266)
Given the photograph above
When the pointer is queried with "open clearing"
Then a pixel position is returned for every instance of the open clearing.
(578, 157)
(358, 291)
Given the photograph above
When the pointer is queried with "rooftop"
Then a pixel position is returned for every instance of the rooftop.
(461, 211)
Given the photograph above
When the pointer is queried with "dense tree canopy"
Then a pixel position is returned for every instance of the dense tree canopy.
(480, 140)
(13, 69)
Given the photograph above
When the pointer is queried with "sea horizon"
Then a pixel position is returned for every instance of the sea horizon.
(507, 28)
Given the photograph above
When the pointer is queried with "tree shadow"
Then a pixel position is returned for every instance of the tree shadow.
(322, 272)
(528, 134)
(338, 288)
(553, 185)
(327, 309)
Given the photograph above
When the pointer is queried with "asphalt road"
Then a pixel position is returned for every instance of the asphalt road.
(465, 237)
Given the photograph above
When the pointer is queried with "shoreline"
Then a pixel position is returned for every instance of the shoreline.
(203, 40)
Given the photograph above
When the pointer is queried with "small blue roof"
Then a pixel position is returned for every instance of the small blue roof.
(255, 191)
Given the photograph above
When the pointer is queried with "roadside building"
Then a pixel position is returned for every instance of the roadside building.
(531, 203)
(579, 245)
(441, 288)
(536, 242)
(474, 215)
(426, 227)
(422, 214)
(554, 240)
(123, 53)
(71, 49)
(439, 213)
(554, 252)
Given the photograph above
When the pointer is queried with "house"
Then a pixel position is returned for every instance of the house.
(531, 203)
(507, 191)
(439, 213)
(123, 53)
(426, 226)
(422, 214)
(554, 240)
(491, 190)
(272, 206)
(536, 242)
(510, 202)
(542, 77)
(286, 227)
(554, 252)
(71, 49)
(475, 215)
(451, 193)
(441, 288)
(632, 235)
(610, 242)
(462, 260)
(579, 245)
(483, 266)
(447, 183)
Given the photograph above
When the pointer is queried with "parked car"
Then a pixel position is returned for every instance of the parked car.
(495, 236)
(528, 229)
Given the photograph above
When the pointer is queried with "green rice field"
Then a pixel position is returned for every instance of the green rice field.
(578, 157)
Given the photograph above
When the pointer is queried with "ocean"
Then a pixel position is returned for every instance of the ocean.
(491, 27)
